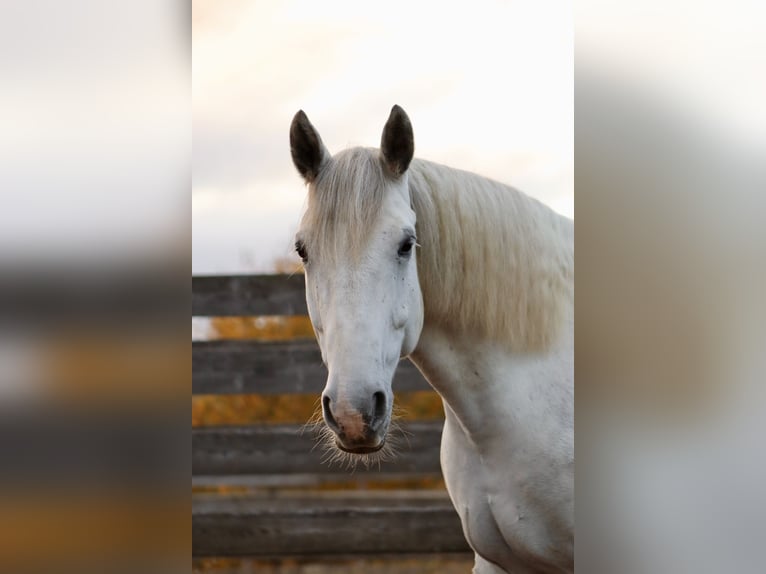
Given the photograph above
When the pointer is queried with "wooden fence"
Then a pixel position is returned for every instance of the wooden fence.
(267, 521)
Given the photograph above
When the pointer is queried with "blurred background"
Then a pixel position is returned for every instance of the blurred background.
(95, 171)
(670, 154)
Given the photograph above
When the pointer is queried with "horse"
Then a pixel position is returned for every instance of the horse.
(473, 281)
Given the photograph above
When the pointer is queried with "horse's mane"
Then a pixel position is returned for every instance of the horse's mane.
(493, 262)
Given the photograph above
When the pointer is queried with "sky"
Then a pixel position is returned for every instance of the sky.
(488, 87)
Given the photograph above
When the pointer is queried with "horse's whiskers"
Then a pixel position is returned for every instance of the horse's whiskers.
(315, 420)
(398, 412)
(331, 454)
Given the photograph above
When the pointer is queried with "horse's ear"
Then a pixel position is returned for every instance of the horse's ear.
(397, 145)
(306, 147)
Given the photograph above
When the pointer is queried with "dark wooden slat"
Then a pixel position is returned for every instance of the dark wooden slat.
(239, 526)
(280, 482)
(284, 449)
(225, 296)
(239, 367)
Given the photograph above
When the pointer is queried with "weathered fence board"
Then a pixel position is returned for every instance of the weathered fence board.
(242, 295)
(238, 526)
(288, 449)
(237, 367)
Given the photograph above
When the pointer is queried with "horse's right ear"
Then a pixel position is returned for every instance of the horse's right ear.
(306, 147)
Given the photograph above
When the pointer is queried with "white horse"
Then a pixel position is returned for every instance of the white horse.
(484, 309)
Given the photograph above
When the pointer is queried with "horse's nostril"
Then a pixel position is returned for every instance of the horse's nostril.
(329, 419)
(379, 400)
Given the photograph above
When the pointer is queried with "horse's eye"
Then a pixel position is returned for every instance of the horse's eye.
(300, 248)
(405, 249)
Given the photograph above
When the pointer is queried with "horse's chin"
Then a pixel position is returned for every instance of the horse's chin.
(360, 449)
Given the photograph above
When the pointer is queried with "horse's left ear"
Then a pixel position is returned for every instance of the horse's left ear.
(397, 145)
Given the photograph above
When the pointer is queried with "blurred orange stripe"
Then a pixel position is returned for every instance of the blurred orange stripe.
(62, 527)
(96, 367)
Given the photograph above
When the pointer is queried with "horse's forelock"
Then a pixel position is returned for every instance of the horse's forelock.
(344, 202)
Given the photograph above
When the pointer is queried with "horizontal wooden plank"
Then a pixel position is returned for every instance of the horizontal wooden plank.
(227, 296)
(342, 479)
(417, 563)
(288, 449)
(239, 367)
(248, 526)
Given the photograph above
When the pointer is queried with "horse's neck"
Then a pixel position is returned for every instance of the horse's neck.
(493, 391)
(461, 371)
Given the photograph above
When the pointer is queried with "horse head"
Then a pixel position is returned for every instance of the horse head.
(358, 243)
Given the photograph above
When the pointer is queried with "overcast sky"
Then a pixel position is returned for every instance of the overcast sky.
(488, 87)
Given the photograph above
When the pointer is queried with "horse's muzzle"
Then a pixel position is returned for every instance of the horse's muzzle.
(360, 428)
(360, 449)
